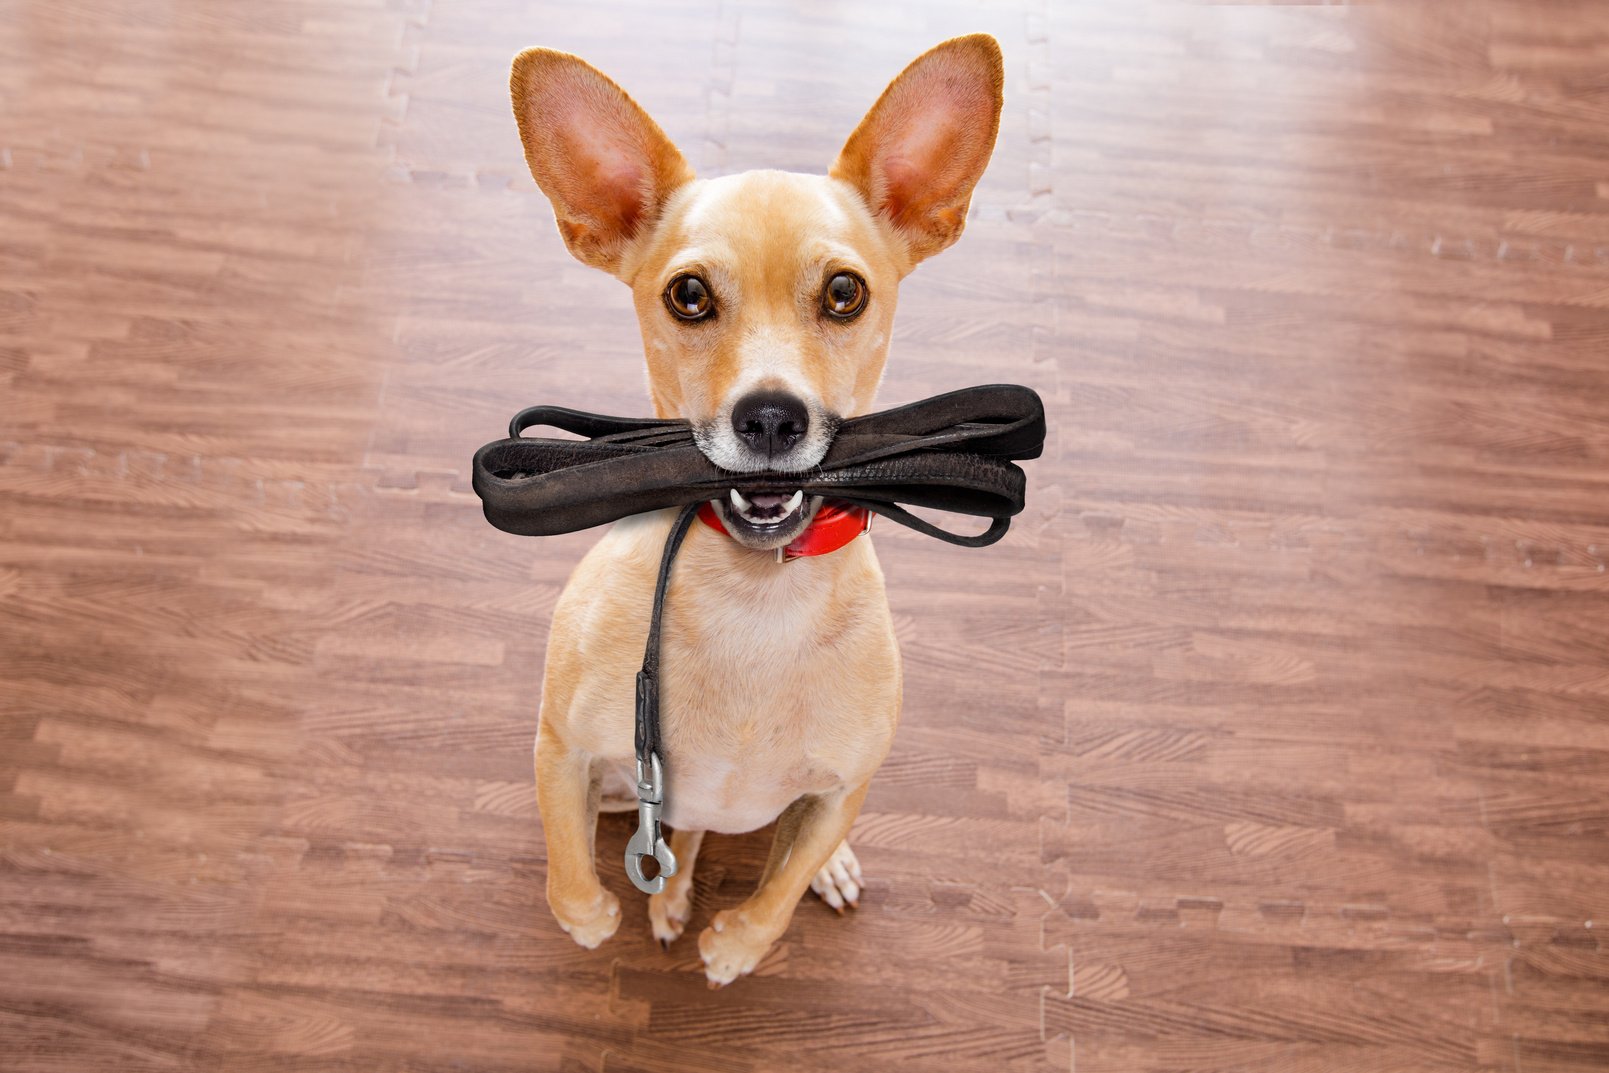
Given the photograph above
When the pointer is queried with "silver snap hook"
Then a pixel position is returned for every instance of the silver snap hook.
(648, 842)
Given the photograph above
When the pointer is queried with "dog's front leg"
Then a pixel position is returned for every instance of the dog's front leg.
(567, 789)
(738, 938)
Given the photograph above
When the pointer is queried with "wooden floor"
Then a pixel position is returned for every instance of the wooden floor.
(1275, 737)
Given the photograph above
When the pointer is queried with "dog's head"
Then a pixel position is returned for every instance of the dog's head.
(766, 299)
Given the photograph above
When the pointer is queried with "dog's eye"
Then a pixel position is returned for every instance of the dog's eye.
(689, 298)
(844, 296)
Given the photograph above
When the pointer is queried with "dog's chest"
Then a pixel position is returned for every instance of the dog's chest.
(777, 680)
(771, 731)
(762, 708)
(731, 794)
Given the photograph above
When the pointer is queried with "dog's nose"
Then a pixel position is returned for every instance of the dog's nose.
(770, 422)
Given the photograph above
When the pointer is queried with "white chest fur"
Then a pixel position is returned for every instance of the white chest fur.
(778, 680)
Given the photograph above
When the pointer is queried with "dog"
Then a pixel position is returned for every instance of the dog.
(766, 302)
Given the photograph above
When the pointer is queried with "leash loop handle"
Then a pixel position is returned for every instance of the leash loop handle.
(952, 453)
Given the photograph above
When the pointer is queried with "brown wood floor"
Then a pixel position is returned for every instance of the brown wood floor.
(1275, 737)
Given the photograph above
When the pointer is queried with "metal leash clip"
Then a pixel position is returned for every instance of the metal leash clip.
(648, 842)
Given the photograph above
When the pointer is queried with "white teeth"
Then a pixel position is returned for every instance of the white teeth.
(772, 509)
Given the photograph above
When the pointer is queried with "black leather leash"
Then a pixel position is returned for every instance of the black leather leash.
(648, 841)
(953, 452)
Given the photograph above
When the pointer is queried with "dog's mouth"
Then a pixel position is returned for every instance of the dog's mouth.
(766, 520)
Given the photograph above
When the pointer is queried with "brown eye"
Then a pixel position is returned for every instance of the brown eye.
(689, 298)
(844, 296)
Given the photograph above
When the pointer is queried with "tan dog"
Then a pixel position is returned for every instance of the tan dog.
(766, 301)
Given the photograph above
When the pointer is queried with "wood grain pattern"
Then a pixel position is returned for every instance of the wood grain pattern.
(1274, 737)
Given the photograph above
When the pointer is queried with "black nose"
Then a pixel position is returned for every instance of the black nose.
(770, 422)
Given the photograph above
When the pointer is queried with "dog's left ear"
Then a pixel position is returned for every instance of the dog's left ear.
(605, 165)
(922, 148)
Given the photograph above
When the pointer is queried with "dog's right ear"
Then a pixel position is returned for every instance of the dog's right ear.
(605, 165)
(919, 152)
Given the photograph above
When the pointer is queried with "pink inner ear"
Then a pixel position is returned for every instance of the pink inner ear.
(926, 137)
(608, 167)
(917, 171)
(621, 183)
(933, 143)
(901, 179)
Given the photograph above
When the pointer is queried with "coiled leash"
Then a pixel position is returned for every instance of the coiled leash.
(952, 452)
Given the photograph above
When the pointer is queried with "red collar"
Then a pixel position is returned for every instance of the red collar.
(834, 525)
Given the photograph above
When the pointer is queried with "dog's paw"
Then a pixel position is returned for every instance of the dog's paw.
(669, 910)
(839, 882)
(731, 946)
(592, 923)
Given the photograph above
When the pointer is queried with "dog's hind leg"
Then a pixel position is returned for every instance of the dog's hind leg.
(782, 841)
(669, 909)
(839, 882)
(568, 786)
(619, 792)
